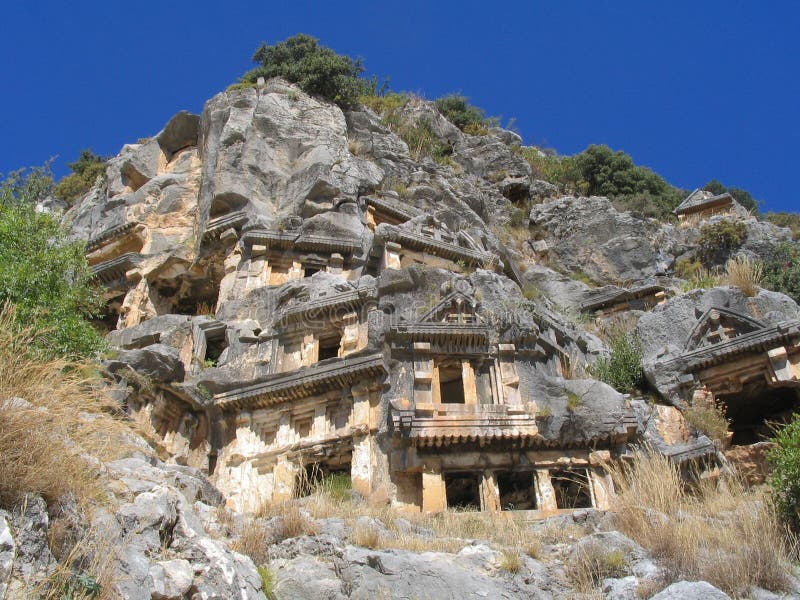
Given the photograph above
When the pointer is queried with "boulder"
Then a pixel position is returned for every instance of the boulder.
(691, 590)
(181, 131)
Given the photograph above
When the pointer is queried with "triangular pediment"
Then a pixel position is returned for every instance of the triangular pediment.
(458, 306)
(718, 325)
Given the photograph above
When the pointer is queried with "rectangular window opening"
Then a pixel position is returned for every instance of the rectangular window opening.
(571, 487)
(329, 346)
(517, 490)
(462, 490)
(451, 385)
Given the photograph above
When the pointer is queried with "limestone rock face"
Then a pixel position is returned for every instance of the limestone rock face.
(274, 152)
(295, 295)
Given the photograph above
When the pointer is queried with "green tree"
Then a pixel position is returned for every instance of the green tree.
(42, 272)
(85, 172)
(743, 197)
(318, 70)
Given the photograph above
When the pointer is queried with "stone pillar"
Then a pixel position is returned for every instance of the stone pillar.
(336, 264)
(434, 495)
(468, 381)
(391, 255)
(285, 434)
(545, 494)
(350, 334)
(309, 351)
(361, 462)
(371, 217)
(602, 487)
(296, 271)
(423, 373)
(319, 427)
(508, 374)
(490, 492)
(284, 477)
(436, 390)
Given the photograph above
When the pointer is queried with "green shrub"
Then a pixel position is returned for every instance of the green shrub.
(387, 103)
(781, 270)
(599, 171)
(743, 197)
(718, 240)
(85, 172)
(43, 273)
(318, 70)
(456, 109)
(622, 368)
(785, 477)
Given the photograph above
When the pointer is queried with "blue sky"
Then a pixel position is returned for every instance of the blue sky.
(694, 90)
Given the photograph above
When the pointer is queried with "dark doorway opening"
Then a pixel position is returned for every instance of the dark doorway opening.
(332, 478)
(451, 385)
(329, 346)
(757, 409)
(309, 270)
(517, 490)
(462, 490)
(572, 488)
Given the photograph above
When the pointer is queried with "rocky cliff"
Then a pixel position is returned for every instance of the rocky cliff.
(296, 293)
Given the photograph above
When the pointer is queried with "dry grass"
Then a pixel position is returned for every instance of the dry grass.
(367, 536)
(717, 531)
(592, 563)
(744, 274)
(292, 522)
(254, 541)
(710, 419)
(510, 560)
(51, 415)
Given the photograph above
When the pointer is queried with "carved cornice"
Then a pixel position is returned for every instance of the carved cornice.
(115, 269)
(108, 235)
(216, 226)
(350, 300)
(303, 382)
(299, 241)
(417, 241)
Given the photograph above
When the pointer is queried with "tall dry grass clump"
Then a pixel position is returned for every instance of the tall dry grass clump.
(53, 414)
(717, 531)
(744, 274)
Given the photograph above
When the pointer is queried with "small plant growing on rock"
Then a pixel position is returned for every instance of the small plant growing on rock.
(573, 401)
(744, 274)
(622, 368)
(510, 561)
(592, 563)
(267, 581)
(719, 239)
(785, 477)
(781, 270)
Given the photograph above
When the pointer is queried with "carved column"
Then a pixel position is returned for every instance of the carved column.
(336, 264)
(391, 255)
(468, 380)
(362, 459)
(423, 373)
(284, 477)
(319, 427)
(602, 487)
(545, 494)
(490, 492)
(508, 374)
(434, 495)
(350, 335)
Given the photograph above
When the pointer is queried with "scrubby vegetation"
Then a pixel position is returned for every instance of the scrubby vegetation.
(85, 172)
(622, 368)
(599, 171)
(44, 274)
(781, 270)
(44, 431)
(785, 477)
(722, 532)
(468, 118)
(318, 70)
(743, 197)
(416, 133)
(720, 239)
